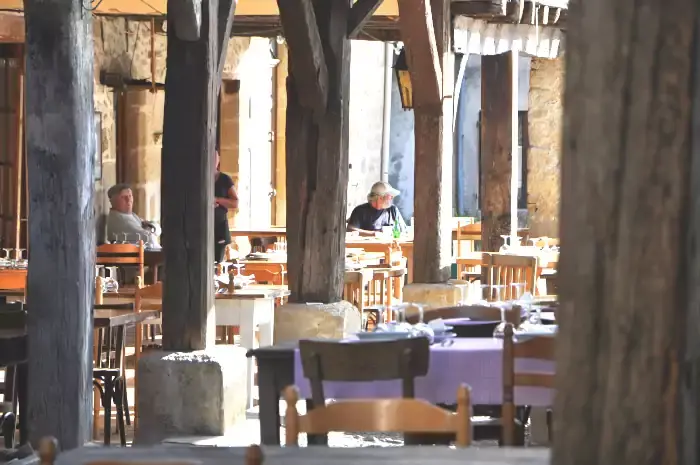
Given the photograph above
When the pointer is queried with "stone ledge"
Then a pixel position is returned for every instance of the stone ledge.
(190, 393)
(295, 321)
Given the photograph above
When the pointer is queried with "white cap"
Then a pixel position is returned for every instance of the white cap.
(381, 188)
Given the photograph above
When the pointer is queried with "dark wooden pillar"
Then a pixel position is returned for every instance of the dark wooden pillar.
(60, 141)
(317, 145)
(628, 367)
(196, 56)
(496, 106)
(430, 61)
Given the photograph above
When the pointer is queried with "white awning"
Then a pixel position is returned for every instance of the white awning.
(478, 37)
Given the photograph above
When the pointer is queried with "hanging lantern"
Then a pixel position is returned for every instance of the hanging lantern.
(403, 78)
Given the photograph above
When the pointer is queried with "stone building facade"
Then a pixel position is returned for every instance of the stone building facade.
(545, 133)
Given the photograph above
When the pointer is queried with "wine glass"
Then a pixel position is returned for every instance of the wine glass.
(501, 327)
(505, 245)
(125, 241)
(518, 290)
(238, 267)
(496, 291)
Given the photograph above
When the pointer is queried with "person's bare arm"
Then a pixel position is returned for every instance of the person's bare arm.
(362, 232)
(229, 202)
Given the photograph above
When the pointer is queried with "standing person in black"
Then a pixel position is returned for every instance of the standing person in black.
(225, 199)
(369, 218)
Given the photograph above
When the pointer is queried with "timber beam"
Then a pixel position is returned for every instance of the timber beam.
(189, 127)
(307, 61)
(521, 12)
(186, 16)
(316, 146)
(360, 14)
(418, 33)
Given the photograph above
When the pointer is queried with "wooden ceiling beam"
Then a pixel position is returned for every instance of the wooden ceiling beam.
(478, 8)
(418, 34)
(521, 12)
(227, 9)
(360, 13)
(186, 17)
(306, 56)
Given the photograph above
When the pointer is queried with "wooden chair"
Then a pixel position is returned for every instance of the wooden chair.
(266, 272)
(508, 271)
(14, 281)
(535, 348)
(403, 359)
(471, 265)
(464, 242)
(513, 313)
(355, 284)
(381, 415)
(48, 452)
(122, 255)
(148, 298)
(12, 316)
(109, 372)
(254, 455)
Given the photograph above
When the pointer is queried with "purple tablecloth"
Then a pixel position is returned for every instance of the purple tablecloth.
(476, 362)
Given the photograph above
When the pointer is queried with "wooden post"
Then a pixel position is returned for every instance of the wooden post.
(60, 156)
(431, 64)
(317, 146)
(192, 86)
(628, 366)
(496, 102)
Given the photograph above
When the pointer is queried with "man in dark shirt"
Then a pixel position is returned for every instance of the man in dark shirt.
(370, 217)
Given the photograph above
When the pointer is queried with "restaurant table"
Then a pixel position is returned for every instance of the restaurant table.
(476, 362)
(13, 350)
(250, 309)
(369, 244)
(270, 231)
(188, 455)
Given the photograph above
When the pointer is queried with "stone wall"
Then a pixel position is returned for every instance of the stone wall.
(545, 133)
(123, 47)
(366, 114)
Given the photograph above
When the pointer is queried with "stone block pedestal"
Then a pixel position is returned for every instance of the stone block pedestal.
(305, 321)
(201, 393)
(433, 295)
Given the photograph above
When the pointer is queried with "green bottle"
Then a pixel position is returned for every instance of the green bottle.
(396, 231)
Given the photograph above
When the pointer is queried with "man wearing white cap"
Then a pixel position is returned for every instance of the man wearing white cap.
(369, 218)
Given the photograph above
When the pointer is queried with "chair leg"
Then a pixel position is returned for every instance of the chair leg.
(119, 401)
(8, 426)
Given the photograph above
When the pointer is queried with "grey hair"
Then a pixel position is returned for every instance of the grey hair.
(117, 189)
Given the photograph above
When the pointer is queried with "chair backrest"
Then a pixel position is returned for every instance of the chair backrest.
(471, 264)
(270, 273)
(122, 255)
(513, 313)
(13, 315)
(533, 348)
(507, 270)
(13, 280)
(381, 415)
(403, 359)
(149, 297)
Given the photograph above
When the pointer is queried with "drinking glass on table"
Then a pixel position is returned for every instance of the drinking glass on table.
(125, 241)
(110, 283)
(500, 329)
(518, 290)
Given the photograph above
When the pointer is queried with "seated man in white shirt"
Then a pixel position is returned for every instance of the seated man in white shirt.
(122, 220)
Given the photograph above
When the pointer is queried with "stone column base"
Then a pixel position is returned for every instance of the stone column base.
(432, 295)
(305, 321)
(201, 393)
